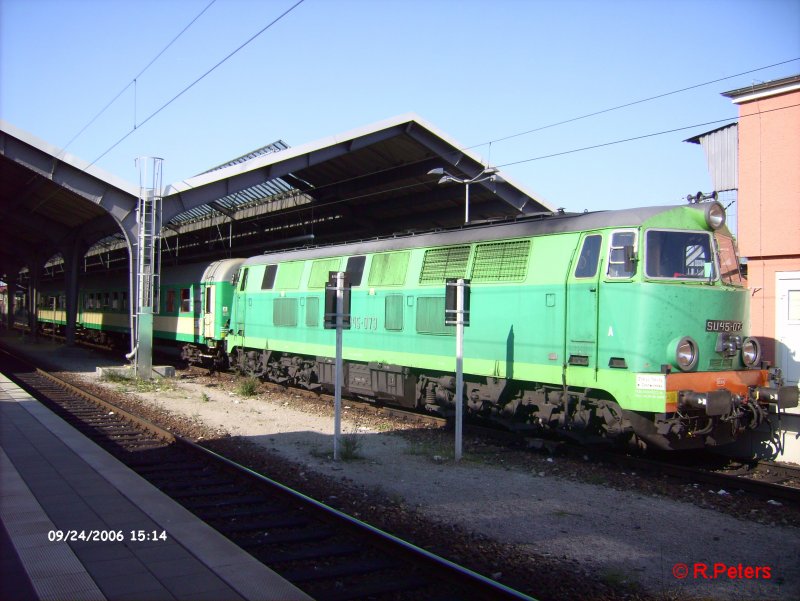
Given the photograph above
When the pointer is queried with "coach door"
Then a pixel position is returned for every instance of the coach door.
(241, 304)
(208, 310)
(582, 294)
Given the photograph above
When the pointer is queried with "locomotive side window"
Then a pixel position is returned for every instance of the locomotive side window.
(269, 277)
(679, 255)
(355, 269)
(623, 244)
(243, 283)
(589, 257)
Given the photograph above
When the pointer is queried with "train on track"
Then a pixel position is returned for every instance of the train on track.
(629, 325)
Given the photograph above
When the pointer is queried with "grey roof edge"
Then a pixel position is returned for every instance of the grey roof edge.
(406, 119)
(761, 90)
(69, 159)
(696, 139)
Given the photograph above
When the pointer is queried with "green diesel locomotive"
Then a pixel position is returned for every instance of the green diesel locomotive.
(628, 324)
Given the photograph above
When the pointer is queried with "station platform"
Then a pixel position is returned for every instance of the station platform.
(55, 483)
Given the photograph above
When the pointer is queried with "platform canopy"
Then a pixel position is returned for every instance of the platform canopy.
(51, 200)
(369, 182)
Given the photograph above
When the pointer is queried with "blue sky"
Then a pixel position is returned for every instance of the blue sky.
(479, 70)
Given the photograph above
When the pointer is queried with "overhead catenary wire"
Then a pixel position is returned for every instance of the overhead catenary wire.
(633, 103)
(574, 150)
(133, 82)
(199, 79)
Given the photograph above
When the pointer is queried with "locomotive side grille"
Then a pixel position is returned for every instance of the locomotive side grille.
(319, 271)
(394, 312)
(284, 312)
(440, 264)
(501, 261)
(312, 311)
(389, 269)
(430, 316)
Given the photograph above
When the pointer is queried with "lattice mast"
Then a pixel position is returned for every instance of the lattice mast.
(148, 260)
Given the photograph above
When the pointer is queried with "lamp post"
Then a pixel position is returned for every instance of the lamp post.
(488, 174)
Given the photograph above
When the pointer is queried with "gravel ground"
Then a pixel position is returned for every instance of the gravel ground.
(554, 527)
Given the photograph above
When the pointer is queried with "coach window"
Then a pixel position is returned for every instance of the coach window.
(589, 257)
(622, 243)
(115, 301)
(186, 300)
(169, 304)
(106, 300)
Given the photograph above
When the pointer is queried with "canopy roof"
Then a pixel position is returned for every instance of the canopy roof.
(372, 181)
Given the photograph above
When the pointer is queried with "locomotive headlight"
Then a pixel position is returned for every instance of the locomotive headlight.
(751, 351)
(715, 215)
(686, 353)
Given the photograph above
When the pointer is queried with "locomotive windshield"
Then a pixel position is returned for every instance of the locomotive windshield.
(679, 255)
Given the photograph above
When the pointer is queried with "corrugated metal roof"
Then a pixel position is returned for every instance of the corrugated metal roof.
(235, 206)
(721, 146)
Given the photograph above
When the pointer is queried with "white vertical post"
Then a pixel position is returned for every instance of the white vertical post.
(459, 365)
(337, 403)
(466, 203)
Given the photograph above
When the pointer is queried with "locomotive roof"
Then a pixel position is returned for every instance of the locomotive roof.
(519, 228)
(221, 271)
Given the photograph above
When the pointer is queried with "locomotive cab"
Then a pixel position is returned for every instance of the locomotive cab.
(699, 377)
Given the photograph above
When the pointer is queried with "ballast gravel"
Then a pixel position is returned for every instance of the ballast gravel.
(550, 526)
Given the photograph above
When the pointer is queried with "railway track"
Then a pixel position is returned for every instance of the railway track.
(765, 479)
(324, 552)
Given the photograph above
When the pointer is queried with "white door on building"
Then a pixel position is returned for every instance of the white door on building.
(787, 325)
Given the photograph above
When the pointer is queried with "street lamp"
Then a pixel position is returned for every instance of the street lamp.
(489, 174)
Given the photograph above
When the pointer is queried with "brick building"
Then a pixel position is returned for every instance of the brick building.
(769, 214)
